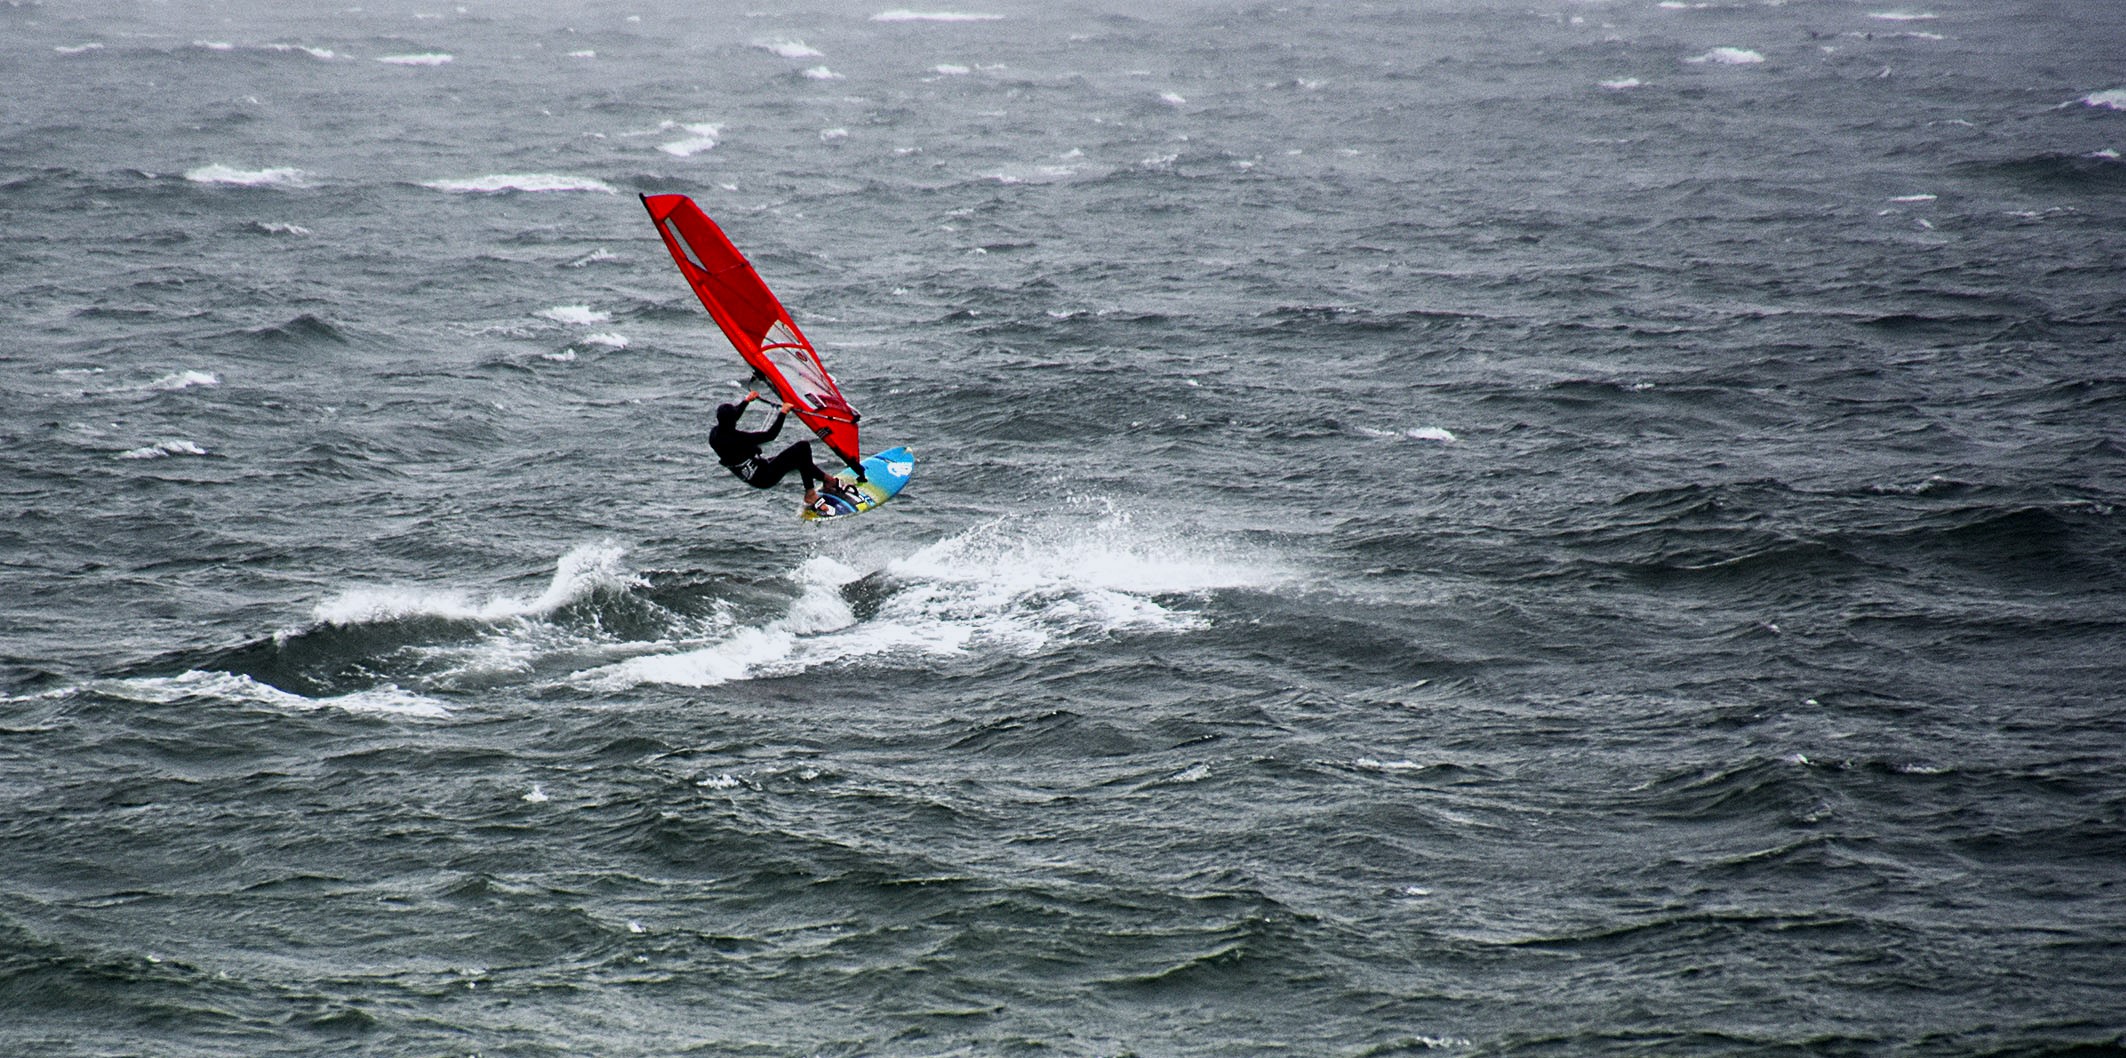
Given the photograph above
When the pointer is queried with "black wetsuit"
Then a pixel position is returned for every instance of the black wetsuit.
(739, 451)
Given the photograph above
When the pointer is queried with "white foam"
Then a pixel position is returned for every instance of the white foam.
(1172, 99)
(315, 53)
(951, 70)
(163, 449)
(833, 135)
(594, 257)
(225, 174)
(1728, 57)
(821, 73)
(1904, 16)
(432, 58)
(169, 690)
(2108, 154)
(1915, 198)
(699, 138)
(487, 185)
(576, 314)
(1622, 83)
(607, 339)
(791, 49)
(584, 54)
(1416, 433)
(584, 570)
(904, 15)
(214, 45)
(1010, 586)
(78, 49)
(184, 380)
(537, 795)
(2114, 98)
(1370, 764)
(277, 228)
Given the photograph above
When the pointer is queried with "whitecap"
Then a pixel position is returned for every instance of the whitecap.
(1172, 99)
(2114, 99)
(537, 795)
(1904, 16)
(576, 314)
(607, 339)
(951, 70)
(78, 49)
(821, 73)
(1009, 586)
(214, 45)
(904, 15)
(700, 137)
(1915, 198)
(1370, 764)
(166, 690)
(421, 59)
(584, 54)
(313, 52)
(1417, 433)
(535, 182)
(791, 49)
(833, 135)
(1728, 57)
(1621, 83)
(278, 228)
(583, 571)
(184, 380)
(594, 257)
(163, 449)
(226, 174)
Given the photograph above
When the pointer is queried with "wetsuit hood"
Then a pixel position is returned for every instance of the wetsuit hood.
(727, 414)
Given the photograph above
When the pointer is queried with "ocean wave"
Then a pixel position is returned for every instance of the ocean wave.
(578, 315)
(790, 49)
(184, 380)
(1728, 57)
(2110, 99)
(195, 686)
(163, 450)
(226, 174)
(1010, 587)
(527, 182)
(699, 137)
(905, 15)
(417, 59)
(582, 572)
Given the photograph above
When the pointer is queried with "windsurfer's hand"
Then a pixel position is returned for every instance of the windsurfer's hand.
(752, 394)
(786, 406)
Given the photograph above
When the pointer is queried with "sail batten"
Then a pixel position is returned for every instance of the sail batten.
(758, 326)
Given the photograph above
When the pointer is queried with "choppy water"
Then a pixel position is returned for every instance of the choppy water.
(1532, 528)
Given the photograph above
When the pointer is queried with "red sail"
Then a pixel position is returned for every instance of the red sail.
(754, 321)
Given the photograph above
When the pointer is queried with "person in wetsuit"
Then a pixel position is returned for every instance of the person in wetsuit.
(739, 451)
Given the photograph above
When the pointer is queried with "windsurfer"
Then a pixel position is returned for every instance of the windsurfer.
(739, 451)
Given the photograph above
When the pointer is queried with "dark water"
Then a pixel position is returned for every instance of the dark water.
(1533, 528)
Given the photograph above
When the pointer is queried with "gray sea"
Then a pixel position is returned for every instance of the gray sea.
(1477, 527)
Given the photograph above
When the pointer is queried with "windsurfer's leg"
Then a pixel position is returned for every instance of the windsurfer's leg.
(797, 457)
